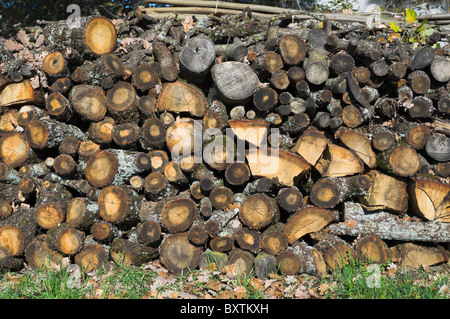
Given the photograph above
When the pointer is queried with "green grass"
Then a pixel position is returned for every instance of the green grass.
(117, 281)
(359, 281)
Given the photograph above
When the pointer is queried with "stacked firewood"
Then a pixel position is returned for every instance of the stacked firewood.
(274, 147)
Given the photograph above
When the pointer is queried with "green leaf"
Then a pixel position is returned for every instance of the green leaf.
(395, 27)
(411, 15)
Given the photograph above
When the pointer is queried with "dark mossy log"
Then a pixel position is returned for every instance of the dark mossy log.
(371, 249)
(119, 204)
(438, 147)
(10, 263)
(370, 94)
(240, 263)
(252, 131)
(177, 254)
(337, 85)
(48, 133)
(5, 208)
(17, 230)
(369, 49)
(196, 59)
(54, 65)
(316, 67)
(359, 143)
(64, 165)
(413, 256)
(89, 102)
(15, 149)
(441, 126)
(91, 257)
(302, 88)
(216, 117)
(221, 198)
(28, 113)
(258, 211)
(397, 71)
(307, 220)
(328, 192)
(265, 99)
(312, 261)
(205, 176)
(82, 213)
(422, 107)
(386, 106)
(198, 234)
(419, 81)
(289, 199)
(101, 168)
(422, 57)
(342, 62)
(311, 144)
(273, 240)
(131, 253)
(284, 165)
(382, 138)
(182, 97)
(234, 82)
(388, 226)
(280, 80)
(126, 135)
(130, 163)
(15, 94)
(152, 135)
(121, 102)
(292, 49)
(351, 115)
(223, 223)
(338, 161)
(145, 77)
(61, 85)
(156, 186)
(69, 145)
(417, 136)
(379, 67)
(429, 199)
(285, 98)
(440, 69)
(237, 173)
(260, 185)
(103, 231)
(355, 91)
(146, 233)
(362, 74)
(66, 239)
(108, 66)
(162, 54)
(248, 239)
(265, 265)
(385, 192)
(40, 254)
(221, 244)
(147, 106)
(321, 120)
(205, 207)
(101, 132)
(443, 169)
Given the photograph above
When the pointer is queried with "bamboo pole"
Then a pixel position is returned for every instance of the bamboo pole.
(197, 10)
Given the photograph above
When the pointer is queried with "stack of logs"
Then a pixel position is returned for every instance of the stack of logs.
(335, 145)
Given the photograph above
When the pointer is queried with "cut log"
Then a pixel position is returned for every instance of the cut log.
(316, 67)
(221, 197)
(82, 213)
(312, 259)
(311, 144)
(258, 211)
(274, 163)
(338, 161)
(440, 68)
(130, 253)
(66, 239)
(12, 240)
(248, 239)
(413, 256)
(237, 173)
(180, 137)
(103, 231)
(430, 199)
(339, 255)
(180, 97)
(308, 219)
(273, 240)
(421, 58)
(235, 82)
(292, 49)
(265, 99)
(290, 199)
(438, 147)
(101, 72)
(177, 254)
(163, 55)
(119, 205)
(417, 136)
(40, 254)
(371, 249)
(126, 135)
(289, 263)
(253, 131)
(17, 94)
(91, 257)
(14, 149)
(360, 144)
(177, 215)
(342, 62)
(54, 65)
(101, 168)
(388, 226)
(88, 101)
(196, 59)
(121, 101)
(65, 165)
(240, 263)
(100, 36)
(145, 77)
(50, 215)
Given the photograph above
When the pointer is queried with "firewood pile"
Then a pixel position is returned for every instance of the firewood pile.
(266, 144)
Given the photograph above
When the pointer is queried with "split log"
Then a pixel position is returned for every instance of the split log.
(19, 94)
(358, 143)
(311, 144)
(415, 256)
(338, 161)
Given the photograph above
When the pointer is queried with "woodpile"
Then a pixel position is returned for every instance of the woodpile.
(274, 146)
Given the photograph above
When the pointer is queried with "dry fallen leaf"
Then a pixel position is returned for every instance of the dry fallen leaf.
(188, 24)
(23, 37)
